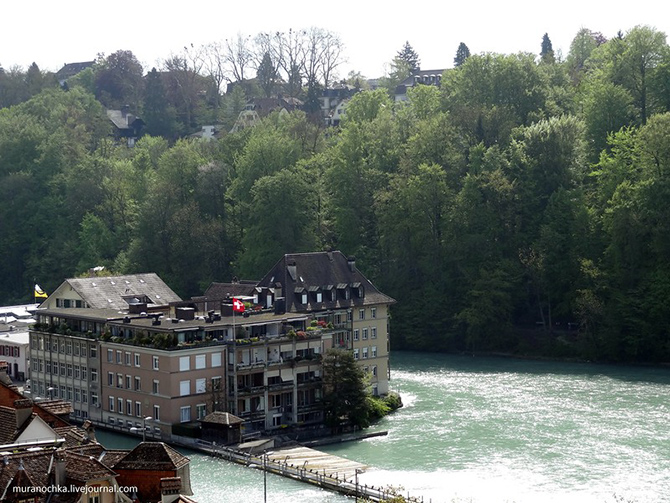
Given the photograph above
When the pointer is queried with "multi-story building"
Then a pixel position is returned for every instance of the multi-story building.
(328, 287)
(156, 371)
(152, 362)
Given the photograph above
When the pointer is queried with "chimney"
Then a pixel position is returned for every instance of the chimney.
(24, 409)
(89, 429)
(351, 262)
(59, 468)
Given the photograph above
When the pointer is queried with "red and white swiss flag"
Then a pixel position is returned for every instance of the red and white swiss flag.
(238, 306)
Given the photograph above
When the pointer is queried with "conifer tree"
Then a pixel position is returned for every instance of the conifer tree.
(462, 53)
(547, 52)
(410, 56)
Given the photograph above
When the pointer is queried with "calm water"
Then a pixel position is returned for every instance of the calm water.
(497, 430)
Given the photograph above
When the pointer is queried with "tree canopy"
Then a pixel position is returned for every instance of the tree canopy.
(521, 198)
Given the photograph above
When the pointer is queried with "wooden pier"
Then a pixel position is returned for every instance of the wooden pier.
(311, 466)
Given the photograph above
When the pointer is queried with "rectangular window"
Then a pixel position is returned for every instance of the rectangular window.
(62, 369)
(349, 316)
(120, 403)
(365, 334)
(84, 373)
(356, 353)
(200, 385)
(184, 388)
(119, 355)
(373, 312)
(365, 352)
(77, 372)
(77, 395)
(216, 359)
(361, 314)
(93, 351)
(84, 396)
(110, 355)
(94, 399)
(373, 332)
(374, 352)
(129, 407)
(157, 412)
(355, 334)
(76, 349)
(127, 358)
(111, 404)
(184, 363)
(110, 378)
(200, 361)
(83, 349)
(128, 380)
(185, 414)
(48, 367)
(137, 359)
(155, 388)
(138, 384)
(119, 380)
(138, 409)
(62, 392)
(374, 370)
(155, 362)
(94, 375)
(69, 393)
(68, 348)
(69, 370)
(201, 410)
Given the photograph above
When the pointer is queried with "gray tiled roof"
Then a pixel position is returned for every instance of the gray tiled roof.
(320, 269)
(109, 292)
(220, 291)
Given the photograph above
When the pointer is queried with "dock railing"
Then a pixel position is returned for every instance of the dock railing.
(330, 481)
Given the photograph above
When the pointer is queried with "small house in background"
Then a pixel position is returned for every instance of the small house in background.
(222, 428)
(425, 77)
(70, 70)
(127, 127)
(258, 108)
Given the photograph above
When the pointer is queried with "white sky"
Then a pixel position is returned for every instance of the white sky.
(52, 33)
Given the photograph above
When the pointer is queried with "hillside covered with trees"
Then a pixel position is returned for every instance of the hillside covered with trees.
(525, 194)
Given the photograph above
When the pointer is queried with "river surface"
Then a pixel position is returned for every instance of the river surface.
(494, 430)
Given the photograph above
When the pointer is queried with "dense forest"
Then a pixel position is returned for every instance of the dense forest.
(528, 194)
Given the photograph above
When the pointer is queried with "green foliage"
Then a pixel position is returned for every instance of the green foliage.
(519, 196)
(345, 399)
(462, 53)
(409, 56)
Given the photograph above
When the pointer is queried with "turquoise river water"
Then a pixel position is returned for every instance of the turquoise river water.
(494, 430)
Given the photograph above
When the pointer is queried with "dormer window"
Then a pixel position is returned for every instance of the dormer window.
(304, 298)
(343, 290)
(319, 297)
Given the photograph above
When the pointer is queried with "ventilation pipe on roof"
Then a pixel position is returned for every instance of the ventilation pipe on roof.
(351, 262)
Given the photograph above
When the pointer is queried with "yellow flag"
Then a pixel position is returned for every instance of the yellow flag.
(39, 293)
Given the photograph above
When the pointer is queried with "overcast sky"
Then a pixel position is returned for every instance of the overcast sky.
(52, 33)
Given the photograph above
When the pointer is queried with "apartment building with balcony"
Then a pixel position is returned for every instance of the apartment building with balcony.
(154, 371)
(328, 287)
